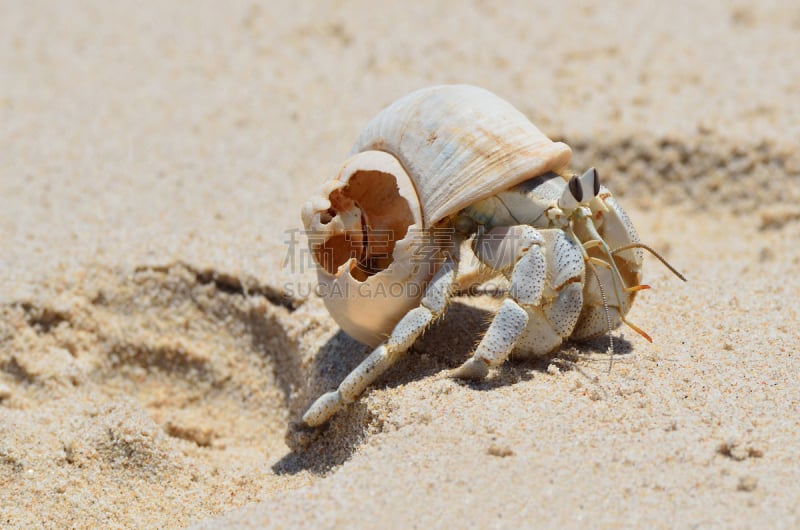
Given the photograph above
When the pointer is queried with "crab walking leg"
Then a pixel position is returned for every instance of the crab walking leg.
(434, 302)
(553, 320)
(520, 247)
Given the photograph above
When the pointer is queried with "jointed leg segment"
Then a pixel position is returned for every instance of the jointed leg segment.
(545, 297)
(437, 295)
(519, 248)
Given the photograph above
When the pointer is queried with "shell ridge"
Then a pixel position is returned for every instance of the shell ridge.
(460, 144)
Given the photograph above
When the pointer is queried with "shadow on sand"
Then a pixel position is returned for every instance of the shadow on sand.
(446, 345)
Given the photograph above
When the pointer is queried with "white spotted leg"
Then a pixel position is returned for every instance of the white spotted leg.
(433, 304)
(518, 249)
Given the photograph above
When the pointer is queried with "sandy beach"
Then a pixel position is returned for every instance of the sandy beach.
(159, 335)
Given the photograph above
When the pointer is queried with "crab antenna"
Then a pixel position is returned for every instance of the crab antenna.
(654, 253)
(592, 243)
(608, 316)
(615, 271)
(615, 274)
(637, 329)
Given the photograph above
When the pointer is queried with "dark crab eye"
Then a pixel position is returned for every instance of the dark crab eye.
(575, 188)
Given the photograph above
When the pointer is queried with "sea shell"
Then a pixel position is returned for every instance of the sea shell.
(420, 160)
(460, 144)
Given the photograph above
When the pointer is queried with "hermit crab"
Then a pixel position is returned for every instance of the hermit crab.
(452, 165)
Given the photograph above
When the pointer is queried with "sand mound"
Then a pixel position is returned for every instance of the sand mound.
(163, 390)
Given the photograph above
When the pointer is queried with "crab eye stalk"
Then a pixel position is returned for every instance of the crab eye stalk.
(572, 195)
(590, 183)
(580, 190)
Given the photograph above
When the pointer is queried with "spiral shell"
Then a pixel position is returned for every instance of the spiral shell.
(460, 144)
(423, 158)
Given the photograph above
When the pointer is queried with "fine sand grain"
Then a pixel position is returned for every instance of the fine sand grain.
(158, 338)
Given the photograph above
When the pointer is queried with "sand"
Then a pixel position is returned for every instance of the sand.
(157, 335)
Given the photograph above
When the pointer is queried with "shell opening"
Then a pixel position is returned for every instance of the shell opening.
(369, 216)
